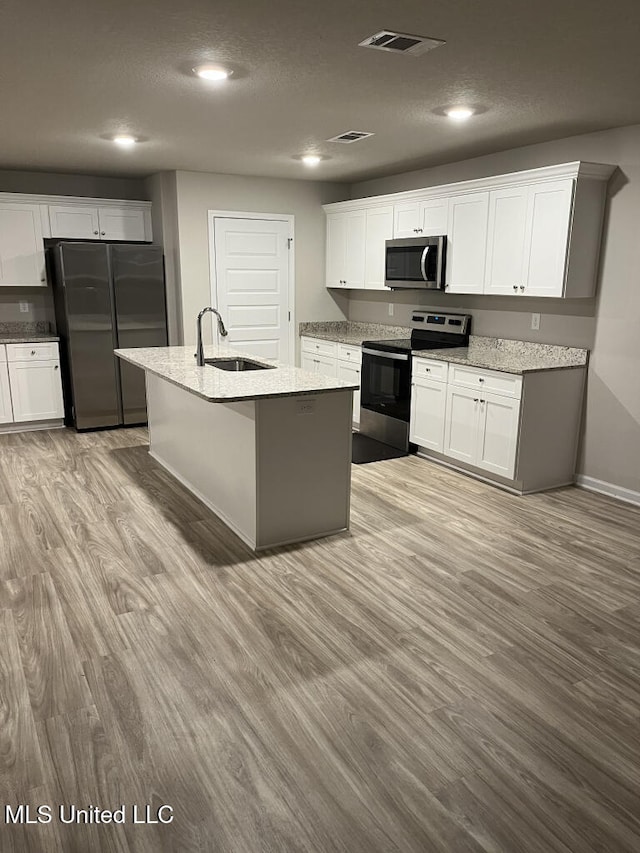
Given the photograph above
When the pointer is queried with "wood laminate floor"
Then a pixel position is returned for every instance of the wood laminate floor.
(459, 673)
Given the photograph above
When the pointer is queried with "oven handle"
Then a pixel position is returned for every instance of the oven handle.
(423, 262)
(394, 356)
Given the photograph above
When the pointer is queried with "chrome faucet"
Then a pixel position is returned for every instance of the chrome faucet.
(221, 329)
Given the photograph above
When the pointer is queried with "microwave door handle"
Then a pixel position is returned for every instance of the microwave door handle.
(423, 262)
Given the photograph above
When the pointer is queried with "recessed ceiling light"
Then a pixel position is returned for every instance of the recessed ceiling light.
(460, 113)
(311, 159)
(125, 140)
(212, 72)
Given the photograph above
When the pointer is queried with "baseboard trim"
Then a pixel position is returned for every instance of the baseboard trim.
(602, 487)
(30, 426)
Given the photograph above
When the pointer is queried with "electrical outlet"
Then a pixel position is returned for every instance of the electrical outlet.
(391, 309)
(306, 407)
(535, 322)
(25, 307)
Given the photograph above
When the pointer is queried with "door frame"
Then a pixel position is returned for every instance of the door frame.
(289, 218)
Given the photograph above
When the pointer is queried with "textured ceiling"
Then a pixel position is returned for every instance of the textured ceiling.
(75, 71)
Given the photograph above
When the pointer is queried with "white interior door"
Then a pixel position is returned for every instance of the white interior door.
(251, 261)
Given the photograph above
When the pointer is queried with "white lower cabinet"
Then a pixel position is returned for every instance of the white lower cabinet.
(428, 404)
(34, 381)
(519, 430)
(467, 414)
(335, 360)
(6, 412)
(482, 429)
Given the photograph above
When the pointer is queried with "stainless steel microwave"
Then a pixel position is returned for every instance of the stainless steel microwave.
(415, 262)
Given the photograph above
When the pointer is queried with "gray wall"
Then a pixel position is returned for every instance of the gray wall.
(46, 183)
(91, 186)
(609, 324)
(198, 192)
(162, 191)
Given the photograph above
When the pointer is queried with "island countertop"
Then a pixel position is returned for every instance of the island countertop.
(178, 366)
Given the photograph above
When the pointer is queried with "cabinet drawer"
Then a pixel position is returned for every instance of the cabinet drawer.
(32, 352)
(428, 368)
(492, 381)
(319, 347)
(349, 353)
(3, 353)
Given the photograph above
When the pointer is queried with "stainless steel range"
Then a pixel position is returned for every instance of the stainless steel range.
(386, 374)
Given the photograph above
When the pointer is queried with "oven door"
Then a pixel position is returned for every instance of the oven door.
(386, 383)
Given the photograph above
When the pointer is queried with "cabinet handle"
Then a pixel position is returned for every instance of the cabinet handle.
(56, 367)
(522, 287)
(480, 379)
(33, 352)
(475, 399)
(96, 232)
(427, 370)
(103, 233)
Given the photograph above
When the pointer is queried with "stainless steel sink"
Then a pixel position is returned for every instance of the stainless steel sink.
(237, 364)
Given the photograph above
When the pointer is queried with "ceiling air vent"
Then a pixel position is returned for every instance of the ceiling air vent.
(401, 43)
(350, 136)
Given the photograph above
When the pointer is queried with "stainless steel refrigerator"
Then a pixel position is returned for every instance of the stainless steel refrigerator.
(106, 296)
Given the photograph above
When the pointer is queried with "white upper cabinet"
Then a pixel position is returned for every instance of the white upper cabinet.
(21, 246)
(76, 221)
(532, 233)
(346, 249)
(378, 229)
(506, 239)
(434, 217)
(94, 222)
(467, 243)
(429, 218)
(547, 238)
(406, 219)
(122, 223)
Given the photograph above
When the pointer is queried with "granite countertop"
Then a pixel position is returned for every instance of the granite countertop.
(27, 339)
(178, 365)
(25, 332)
(348, 332)
(510, 356)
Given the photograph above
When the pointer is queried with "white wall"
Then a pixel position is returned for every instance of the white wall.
(610, 448)
(198, 192)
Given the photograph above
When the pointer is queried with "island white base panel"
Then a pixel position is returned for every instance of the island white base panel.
(275, 470)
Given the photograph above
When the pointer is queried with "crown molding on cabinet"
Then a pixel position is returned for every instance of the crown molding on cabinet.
(26, 198)
(575, 169)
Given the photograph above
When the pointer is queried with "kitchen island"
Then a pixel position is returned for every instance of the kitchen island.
(268, 450)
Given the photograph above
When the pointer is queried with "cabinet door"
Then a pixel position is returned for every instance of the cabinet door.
(467, 242)
(428, 407)
(307, 362)
(506, 239)
(75, 221)
(21, 246)
(36, 390)
(351, 373)
(498, 434)
(548, 219)
(325, 365)
(461, 424)
(379, 228)
(355, 249)
(434, 217)
(406, 219)
(6, 412)
(336, 249)
(122, 223)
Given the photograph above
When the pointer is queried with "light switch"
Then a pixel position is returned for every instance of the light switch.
(535, 321)
(25, 307)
